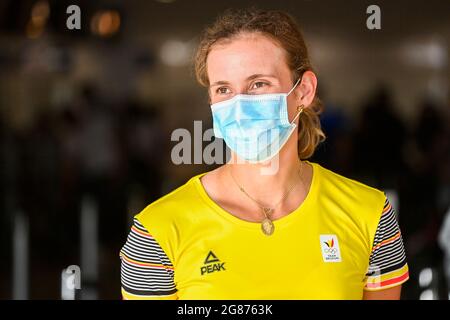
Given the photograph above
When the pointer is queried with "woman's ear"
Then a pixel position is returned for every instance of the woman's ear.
(306, 90)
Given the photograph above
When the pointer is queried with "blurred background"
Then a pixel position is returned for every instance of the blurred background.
(86, 118)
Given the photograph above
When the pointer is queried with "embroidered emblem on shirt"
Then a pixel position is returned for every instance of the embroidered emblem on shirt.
(330, 248)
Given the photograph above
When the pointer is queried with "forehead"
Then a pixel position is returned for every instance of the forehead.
(245, 55)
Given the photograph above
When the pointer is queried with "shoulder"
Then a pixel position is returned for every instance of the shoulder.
(345, 183)
(358, 205)
(349, 190)
(352, 199)
(172, 210)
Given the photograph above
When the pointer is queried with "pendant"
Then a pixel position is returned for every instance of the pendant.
(267, 227)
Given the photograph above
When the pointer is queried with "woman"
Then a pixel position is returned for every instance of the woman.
(266, 225)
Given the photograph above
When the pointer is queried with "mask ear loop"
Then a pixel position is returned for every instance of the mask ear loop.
(295, 85)
(299, 108)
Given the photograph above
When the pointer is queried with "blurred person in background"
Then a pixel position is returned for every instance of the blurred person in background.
(101, 166)
(380, 132)
(144, 144)
(424, 189)
(337, 151)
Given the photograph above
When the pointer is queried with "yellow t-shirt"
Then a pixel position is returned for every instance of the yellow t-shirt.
(343, 239)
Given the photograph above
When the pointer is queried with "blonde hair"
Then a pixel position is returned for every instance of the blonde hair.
(283, 29)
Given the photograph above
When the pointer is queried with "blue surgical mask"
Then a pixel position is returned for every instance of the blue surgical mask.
(255, 127)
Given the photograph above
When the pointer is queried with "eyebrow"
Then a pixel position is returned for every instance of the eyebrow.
(253, 76)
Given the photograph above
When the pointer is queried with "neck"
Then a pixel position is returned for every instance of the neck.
(268, 182)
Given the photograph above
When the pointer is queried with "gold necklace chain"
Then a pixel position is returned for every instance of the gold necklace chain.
(267, 224)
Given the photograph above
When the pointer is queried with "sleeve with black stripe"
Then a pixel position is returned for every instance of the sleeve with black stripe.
(146, 271)
(387, 262)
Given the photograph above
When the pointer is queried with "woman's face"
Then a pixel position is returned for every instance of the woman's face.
(250, 64)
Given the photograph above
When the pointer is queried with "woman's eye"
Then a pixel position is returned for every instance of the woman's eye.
(222, 90)
(258, 85)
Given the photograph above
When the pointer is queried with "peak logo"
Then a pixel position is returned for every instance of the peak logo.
(330, 248)
(212, 264)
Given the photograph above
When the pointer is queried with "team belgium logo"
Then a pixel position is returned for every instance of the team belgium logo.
(330, 248)
(212, 264)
